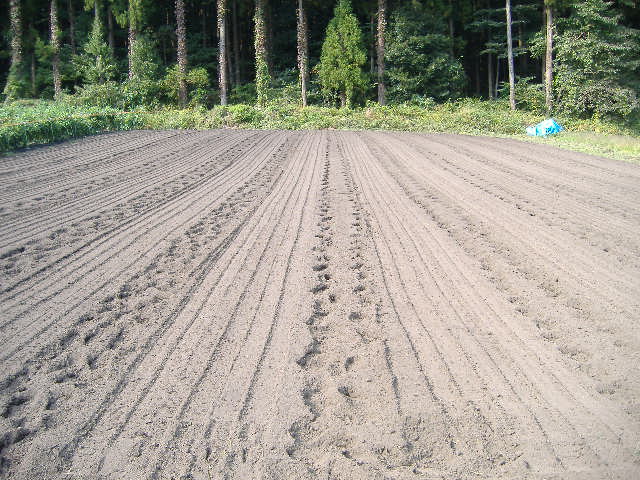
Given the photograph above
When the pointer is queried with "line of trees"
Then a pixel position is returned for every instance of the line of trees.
(581, 56)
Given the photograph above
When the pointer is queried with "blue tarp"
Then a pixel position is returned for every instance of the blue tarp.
(544, 128)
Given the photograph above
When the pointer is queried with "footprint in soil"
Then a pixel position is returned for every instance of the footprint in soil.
(344, 390)
(348, 362)
(13, 403)
(52, 400)
(321, 287)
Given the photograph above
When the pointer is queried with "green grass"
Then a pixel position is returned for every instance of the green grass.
(620, 147)
(27, 123)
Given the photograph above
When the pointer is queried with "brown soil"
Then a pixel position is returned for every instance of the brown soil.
(301, 305)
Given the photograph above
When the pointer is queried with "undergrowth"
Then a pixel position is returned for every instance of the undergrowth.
(26, 123)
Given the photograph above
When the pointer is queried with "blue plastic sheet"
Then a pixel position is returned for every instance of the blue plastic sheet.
(544, 128)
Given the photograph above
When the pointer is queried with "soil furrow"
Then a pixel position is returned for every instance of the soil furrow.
(321, 304)
(160, 224)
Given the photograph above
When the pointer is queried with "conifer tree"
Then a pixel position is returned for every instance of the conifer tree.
(343, 55)
(419, 62)
(96, 64)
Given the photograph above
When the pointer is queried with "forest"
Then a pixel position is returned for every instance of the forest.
(580, 59)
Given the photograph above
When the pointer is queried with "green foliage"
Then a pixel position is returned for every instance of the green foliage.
(263, 80)
(597, 62)
(23, 124)
(530, 95)
(286, 88)
(245, 93)
(197, 82)
(144, 58)
(343, 55)
(418, 61)
(96, 63)
(143, 89)
(29, 122)
(44, 76)
(106, 94)
(612, 145)
(17, 84)
(492, 22)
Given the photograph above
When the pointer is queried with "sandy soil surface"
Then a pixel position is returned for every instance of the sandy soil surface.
(302, 305)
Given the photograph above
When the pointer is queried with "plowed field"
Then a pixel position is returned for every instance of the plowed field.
(302, 305)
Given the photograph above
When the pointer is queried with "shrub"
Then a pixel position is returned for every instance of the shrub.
(243, 94)
(530, 96)
(107, 94)
(197, 83)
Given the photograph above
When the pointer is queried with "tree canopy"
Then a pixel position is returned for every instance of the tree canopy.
(129, 53)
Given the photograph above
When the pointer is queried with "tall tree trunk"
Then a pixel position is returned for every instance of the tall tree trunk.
(236, 43)
(181, 35)
(16, 33)
(72, 26)
(476, 73)
(131, 37)
(34, 87)
(263, 78)
(490, 75)
(522, 57)
(372, 49)
(451, 29)
(203, 17)
(512, 81)
(111, 36)
(165, 55)
(222, 50)
(303, 52)
(548, 74)
(228, 48)
(268, 28)
(55, 48)
(542, 58)
(497, 82)
(16, 49)
(133, 33)
(382, 24)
